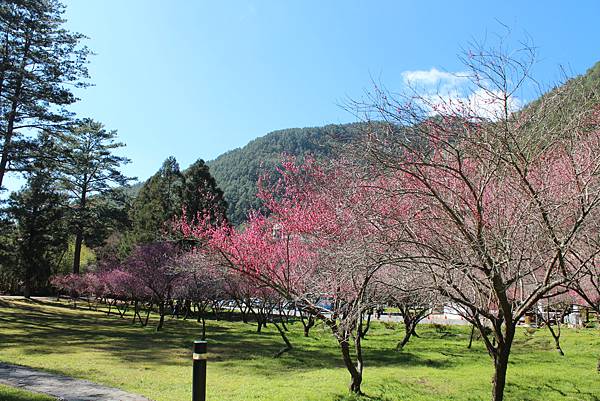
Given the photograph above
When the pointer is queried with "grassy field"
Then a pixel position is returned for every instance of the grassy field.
(438, 366)
(13, 394)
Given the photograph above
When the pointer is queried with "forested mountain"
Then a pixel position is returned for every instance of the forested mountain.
(237, 171)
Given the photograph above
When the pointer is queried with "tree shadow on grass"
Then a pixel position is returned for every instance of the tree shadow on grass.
(55, 328)
(538, 391)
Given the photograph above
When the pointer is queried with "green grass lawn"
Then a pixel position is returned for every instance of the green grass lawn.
(13, 394)
(437, 366)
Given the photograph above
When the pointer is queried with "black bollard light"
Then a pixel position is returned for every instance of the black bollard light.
(199, 371)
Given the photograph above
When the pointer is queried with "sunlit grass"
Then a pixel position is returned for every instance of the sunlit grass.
(14, 394)
(437, 366)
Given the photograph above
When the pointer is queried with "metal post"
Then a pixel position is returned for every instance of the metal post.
(199, 372)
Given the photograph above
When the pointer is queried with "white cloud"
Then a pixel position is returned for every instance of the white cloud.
(448, 90)
(490, 104)
(433, 78)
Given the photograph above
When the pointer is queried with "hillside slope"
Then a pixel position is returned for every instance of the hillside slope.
(237, 171)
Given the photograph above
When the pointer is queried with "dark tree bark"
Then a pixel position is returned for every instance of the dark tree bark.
(555, 330)
(161, 311)
(307, 322)
(411, 316)
(363, 331)
(499, 348)
(471, 336)
(288, 344)
(355, 372)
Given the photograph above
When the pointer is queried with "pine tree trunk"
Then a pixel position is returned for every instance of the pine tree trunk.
(77, 251)
(12, 115)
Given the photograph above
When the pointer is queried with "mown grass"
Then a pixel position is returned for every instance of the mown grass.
(15, 394)
(437, 366)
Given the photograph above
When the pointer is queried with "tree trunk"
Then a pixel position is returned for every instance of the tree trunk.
(27, 283)
(407, 333)
(136, 311)
(188, 308)
(161, 311)
(410, 327)
(501, 355)
(77, 251)
(288, 344)
(203, 328)
(363, 333)
(355, 374)
(12, 116)
(471, 336)
(145, 322)
(556, 336)
(215, 308)
(359, 356)
(308, 324)
(499, 379)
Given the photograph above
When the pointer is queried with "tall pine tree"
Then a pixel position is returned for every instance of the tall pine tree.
(167, 193)
(157, 202)
(88, 169)
(201, 194)
(40, 63)
(38, 212)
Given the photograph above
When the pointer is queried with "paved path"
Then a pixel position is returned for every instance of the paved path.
(63, 387)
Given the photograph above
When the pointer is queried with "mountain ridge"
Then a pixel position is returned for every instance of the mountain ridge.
(237, 171)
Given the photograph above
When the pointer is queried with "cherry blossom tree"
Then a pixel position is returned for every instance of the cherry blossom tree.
(315, 246)
(552, 311)
(201, 283)
(154, 268)
(407, 292)
(495, 209)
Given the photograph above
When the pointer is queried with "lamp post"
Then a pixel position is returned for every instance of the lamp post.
(199, 371)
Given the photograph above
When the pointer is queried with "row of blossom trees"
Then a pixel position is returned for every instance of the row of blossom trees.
(494, 213)
(163, 278)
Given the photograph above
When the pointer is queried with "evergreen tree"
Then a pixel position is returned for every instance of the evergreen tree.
(167, 193)
(40, 63)
(157, 202)
(38, 212)
(201, 194)
(88, 169)
(9, 275)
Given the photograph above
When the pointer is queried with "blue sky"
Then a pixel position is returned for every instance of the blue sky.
(194, 79)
